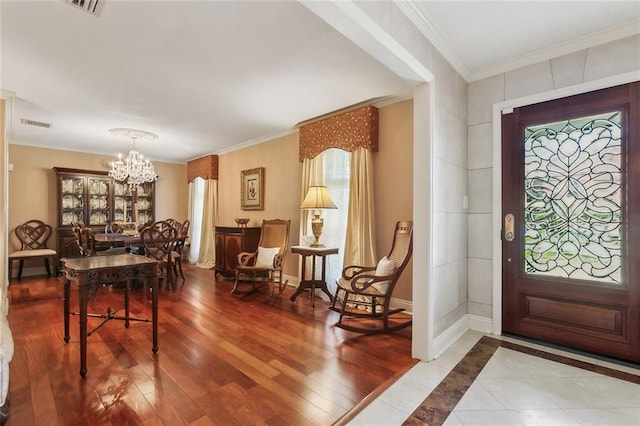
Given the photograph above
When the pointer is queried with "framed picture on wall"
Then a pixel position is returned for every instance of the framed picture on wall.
(252, 189)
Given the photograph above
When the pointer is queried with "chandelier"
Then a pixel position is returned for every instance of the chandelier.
(135, 169)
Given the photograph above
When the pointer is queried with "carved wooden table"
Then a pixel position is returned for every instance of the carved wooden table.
(313, 282)
(90, 273)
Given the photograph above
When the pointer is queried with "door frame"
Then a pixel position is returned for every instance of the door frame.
(496, 129)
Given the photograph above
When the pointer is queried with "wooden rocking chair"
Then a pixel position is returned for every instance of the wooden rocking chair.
(364, 292)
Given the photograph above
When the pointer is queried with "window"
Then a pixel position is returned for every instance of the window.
(197, 208)
(337, 172)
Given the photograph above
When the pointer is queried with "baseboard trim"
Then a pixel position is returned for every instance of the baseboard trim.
(401, 304)
(468, 322)
(481, 324)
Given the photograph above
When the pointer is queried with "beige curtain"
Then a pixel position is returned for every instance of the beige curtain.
(360, 248)
(311, 175)
(190, 216)
(207, 256)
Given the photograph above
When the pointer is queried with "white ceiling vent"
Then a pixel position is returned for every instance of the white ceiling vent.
(35, 123)
(90, 6)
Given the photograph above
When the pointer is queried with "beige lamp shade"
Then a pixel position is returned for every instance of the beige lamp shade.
(318, 198)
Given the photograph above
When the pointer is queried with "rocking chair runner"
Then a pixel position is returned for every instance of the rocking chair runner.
(364, 292)
(266, 264)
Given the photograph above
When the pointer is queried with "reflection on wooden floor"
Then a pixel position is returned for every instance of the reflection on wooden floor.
(222, 359)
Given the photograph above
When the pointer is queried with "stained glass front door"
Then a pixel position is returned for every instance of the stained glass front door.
(571, 194)
(572, 185)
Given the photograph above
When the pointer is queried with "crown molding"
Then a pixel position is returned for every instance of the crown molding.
(585, 42)
(252, 142)
(423, 23)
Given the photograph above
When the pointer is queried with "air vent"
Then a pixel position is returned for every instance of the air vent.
(35, 123)
(90, 6)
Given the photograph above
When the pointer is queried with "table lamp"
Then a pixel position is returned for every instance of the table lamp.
(317, 198)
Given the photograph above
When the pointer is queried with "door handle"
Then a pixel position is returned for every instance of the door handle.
(509, 227)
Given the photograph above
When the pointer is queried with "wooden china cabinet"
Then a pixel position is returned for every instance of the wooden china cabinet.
(230, 242)
(96, 199)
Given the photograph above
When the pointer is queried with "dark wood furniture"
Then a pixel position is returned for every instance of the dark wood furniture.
(230, 241)
(158, 242)
(267, 262)
(33, 236)
(92, 272)
(313, 283)
(94, 198)
(116, 237)
(364, 292)
(182, 233)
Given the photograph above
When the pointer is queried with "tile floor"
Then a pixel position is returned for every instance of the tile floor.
(512, 386)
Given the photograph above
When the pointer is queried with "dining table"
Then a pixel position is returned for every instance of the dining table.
(118, 237)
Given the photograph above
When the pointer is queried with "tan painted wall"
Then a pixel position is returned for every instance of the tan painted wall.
(32, 185)
(393, 175)
(282, 177)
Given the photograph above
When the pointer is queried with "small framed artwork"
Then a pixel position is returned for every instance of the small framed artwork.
(252, 189)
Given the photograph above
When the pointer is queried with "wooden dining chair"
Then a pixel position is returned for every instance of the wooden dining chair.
(33, 236)
(158, 241)
(116, 228)
(182, 233)
(88, 245)
(76, 228)
(113, 228)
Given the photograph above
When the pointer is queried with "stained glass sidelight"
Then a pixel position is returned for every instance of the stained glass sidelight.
(573, 198)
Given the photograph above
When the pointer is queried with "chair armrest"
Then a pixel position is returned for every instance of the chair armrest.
(362, 282)
(246, 258)
(349, 272)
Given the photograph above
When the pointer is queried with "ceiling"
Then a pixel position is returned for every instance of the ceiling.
(211, 76)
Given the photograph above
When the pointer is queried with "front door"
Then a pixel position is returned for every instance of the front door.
(571, 221)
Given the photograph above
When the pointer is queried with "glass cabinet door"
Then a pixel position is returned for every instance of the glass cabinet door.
(144, 204)
(99, 206)
(72, 199)
(123, 203)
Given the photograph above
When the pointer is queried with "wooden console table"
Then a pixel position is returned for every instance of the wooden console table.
(313, 283)
(90, 273)
(230, 242)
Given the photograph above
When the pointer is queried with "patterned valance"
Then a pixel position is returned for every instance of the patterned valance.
(347, 131)
(204, 167)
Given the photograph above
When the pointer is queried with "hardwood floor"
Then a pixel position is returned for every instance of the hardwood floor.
(222, 359)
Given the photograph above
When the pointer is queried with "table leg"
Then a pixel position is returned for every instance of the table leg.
(83, 292)
(313, 281)
(67, 292)
(301, 286)
(154, 310)
(127, 287)
(324, 280)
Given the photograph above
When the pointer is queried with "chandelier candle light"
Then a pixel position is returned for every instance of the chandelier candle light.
(317, 198)
(135, 169)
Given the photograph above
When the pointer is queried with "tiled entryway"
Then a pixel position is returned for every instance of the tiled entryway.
(484, 380)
